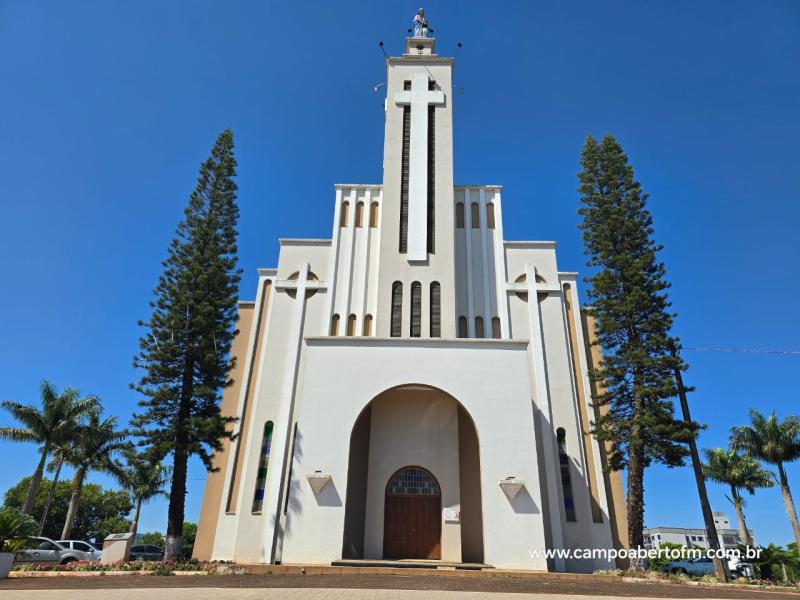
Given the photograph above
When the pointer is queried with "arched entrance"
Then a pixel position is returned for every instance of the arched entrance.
(413, 426)
(412, 522)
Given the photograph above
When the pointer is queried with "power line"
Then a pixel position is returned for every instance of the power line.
(744, 350)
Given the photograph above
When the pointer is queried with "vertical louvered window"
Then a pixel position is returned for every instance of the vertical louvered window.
(404, 180)
(566, 478)
(479, 332)
(460, 215)
(373, 214)
(432, 178)
(416, 309)
(360, 214)
(436, 309)
(367, 329)
(397, 309)
(351, 325)
(263, 464)
(490, 215)
(462, 327)
(343, 216)
(496, 333)
(476, 215)
(335, 325)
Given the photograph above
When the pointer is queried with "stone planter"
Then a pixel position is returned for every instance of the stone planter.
(6, 558)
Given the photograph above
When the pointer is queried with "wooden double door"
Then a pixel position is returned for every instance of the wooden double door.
(412, 516)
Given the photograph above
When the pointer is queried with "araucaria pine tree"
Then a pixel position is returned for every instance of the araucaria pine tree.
(185, 352)
(630, 305)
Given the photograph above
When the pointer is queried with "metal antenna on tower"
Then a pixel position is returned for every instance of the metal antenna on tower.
(380, 45)
(458, 49)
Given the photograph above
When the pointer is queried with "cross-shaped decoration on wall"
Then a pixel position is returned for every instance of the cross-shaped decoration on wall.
(419, 98)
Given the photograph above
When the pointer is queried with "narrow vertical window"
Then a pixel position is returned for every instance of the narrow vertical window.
(566, 479)
(479, 332)
(436, 309)
(335, 325)
(462, 327)
(460, 215)
(263, 464)
(432, 175)
(404, 180)
(476, 215)
(496, 332)
(397, 309)
(367, 329)
(373, 215)
(360, 214)
(490, 215)
(343, 215)
(351, 325)
(416, 309)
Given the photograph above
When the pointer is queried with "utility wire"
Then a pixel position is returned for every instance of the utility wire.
(746, 350)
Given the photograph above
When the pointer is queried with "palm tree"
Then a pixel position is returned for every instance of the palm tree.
(94, 450)
(144, 479)
(777, 443)
(740, 472)
(51, 425)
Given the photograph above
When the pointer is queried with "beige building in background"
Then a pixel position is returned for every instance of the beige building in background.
(415, 387)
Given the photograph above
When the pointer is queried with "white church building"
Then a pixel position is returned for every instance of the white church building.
(414, 388)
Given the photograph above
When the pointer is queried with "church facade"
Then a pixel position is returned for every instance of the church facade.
(415, 387)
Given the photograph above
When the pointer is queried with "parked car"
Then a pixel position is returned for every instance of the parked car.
(705, 566)
(146, 552)
(42, 550)
(90, 549)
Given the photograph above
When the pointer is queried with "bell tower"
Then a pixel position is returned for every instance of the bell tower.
(416, 276)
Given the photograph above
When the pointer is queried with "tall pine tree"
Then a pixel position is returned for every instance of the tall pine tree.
(629, 301)
(185, 353)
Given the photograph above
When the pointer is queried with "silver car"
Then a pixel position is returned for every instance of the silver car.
(90, 549)
(42, 550)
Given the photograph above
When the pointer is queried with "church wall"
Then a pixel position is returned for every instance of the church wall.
(252, 533)
(469, 475)
(355, 258)
(413, 428)
(476, 255)
(563, 402)
(215, 483)
(488, 377)
(395, 266)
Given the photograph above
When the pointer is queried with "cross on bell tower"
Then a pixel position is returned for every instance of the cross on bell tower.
(418, 98)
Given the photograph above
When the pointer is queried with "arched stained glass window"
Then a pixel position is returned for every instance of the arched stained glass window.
(413, 481)
(263, 465)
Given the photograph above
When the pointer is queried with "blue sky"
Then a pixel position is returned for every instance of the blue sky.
(108, 108)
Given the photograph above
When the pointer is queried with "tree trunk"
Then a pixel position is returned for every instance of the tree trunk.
(789, 503)
(744, 535)
(36, 480)
(135, 523)
(720, 566)
(74, 501)
(177, 496)
(635, 501)
(50, 496)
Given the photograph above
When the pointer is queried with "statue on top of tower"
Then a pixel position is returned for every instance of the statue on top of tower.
(421, 24)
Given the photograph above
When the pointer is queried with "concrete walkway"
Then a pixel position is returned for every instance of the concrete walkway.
(280, 594)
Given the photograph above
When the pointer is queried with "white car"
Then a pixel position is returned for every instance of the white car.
(90, 549)
(705, 566)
